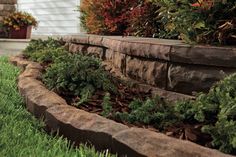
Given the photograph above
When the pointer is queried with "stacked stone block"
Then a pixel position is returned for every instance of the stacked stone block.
(6, 7)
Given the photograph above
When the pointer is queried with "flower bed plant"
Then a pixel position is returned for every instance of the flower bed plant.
(19, 24)
(209, 120)
(20, 133)
(17, 20)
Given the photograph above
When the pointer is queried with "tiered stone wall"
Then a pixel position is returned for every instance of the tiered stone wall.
(7, 7)
(169, 65)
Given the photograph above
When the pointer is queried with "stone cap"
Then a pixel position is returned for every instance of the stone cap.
(161, 49)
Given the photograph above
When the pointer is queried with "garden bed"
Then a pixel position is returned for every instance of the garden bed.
(80, 126)
(82, 81)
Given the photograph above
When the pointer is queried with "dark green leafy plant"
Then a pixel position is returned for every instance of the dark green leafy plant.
(152, 111)
(78, 75)
(106, 105)
(217, 111)
(48, 55)
(201, 21)
(44, 50)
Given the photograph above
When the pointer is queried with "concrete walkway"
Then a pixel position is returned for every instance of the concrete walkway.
(12, 46)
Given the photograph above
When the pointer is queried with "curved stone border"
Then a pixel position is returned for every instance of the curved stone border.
(167, 64)
(83, 127)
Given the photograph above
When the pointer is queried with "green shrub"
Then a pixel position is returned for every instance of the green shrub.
(201, 22)
(106, 105)
(78, 75)
(48, 55)
(150, 112)
(217, 111)
(44, 50)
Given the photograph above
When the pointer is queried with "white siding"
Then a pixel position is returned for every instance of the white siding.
(56, 17)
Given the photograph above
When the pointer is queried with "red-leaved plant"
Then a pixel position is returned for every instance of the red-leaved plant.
(116, 15)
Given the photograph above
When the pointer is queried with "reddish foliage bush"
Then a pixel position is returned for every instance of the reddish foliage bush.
(108, 17)
(141, 22)
(116, 15)
(92, 17)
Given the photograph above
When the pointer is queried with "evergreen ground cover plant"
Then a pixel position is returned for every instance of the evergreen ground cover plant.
(213, 113)
(21, 134)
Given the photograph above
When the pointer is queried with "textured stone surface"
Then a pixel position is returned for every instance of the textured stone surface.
(167, 95)
(80, 126)
(188, 79)
(34, 65)
(159, 52)
(136, 142)
(32, 73)
(77, 48)
(205, 55)
(38, 98)
(4, 13)
(109, 55)
(112, 44)
(7, 7)
(95, 40)
(150, 72)
(8, 1)
(33, 70)
(96, 51)
(119, 61)
(80, 39)
(139, 49)
(19, 61)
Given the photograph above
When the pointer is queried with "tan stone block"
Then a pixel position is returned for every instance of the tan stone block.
(37, 97)
(204, 55)
(78, 48)
(7, 7)
(96, 51)
(150, 72)
(194, 78)
(83, 127)
(32, 73)
(80, 39)
(95, 40)
(109, 55)
(119, 61)
(139, 142)
(112, 44)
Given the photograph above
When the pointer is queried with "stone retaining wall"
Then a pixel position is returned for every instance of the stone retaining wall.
(169, 65)
(83, 127)
(6, 7)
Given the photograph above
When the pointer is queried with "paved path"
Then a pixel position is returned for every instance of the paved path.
(12, 46)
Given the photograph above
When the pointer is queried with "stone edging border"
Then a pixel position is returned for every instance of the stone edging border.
(83, 127)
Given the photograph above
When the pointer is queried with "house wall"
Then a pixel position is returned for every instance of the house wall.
(56, 17)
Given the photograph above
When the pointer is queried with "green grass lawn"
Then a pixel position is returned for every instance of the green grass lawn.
(21, 135)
